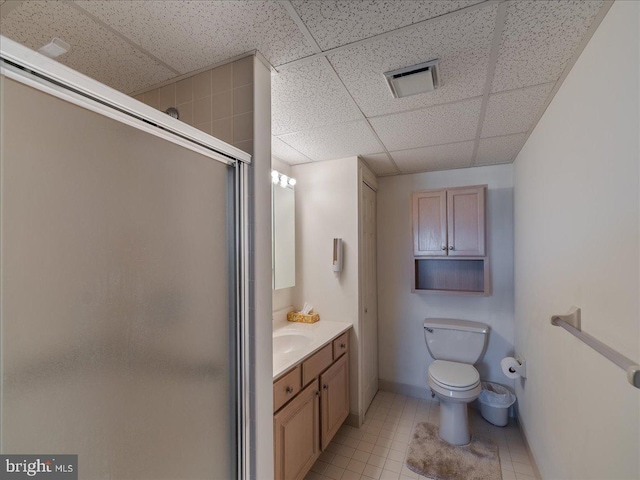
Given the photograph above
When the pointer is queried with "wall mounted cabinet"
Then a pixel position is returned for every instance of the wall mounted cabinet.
(449, 243)
(449, 222)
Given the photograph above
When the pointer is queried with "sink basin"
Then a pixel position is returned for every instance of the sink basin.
(289, 342)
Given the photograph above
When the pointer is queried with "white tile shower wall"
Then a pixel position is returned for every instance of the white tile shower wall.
(576, 243)
(403, 356)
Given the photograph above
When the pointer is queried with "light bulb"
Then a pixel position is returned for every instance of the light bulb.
(292, 181)
(283, 180)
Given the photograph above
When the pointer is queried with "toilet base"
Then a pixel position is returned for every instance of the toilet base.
(454, 423)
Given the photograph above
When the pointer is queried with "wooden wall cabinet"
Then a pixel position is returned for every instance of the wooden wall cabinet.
(306, 422)
(449, 244)
(449, 222)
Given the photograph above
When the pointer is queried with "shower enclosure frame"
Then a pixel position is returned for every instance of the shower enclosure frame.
(37, 71)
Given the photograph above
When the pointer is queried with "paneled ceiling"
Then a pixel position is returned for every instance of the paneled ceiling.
(501, 62)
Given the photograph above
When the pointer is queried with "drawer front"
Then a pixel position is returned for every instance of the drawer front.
(341, 345)
(316, 364)
(286, 387)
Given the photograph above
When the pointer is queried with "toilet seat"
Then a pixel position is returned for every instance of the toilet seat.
(453, 375)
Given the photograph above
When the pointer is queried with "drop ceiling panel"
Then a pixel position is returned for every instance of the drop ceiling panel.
(189, 35)
(334, 141)
(429, 126)
(499, 149)
(514, 111)
(338, 22)
(120, 66)
(538, 39)
(440, 157)
(380, 164)
(284, 152)
(462, 42)
(309, 96)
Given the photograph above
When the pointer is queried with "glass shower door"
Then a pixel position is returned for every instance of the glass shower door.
(117, 333)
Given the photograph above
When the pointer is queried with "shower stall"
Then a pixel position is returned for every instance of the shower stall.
(124, 259)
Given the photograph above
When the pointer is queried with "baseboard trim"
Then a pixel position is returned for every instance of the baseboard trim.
(534, 464)
(404, 389)
(354, 420)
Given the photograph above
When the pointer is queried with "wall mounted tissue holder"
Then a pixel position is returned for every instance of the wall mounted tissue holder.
(572, 323)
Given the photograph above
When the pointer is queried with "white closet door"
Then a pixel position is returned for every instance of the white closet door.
(370, 296)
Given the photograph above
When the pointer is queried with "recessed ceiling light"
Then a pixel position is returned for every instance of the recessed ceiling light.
(420, 78)
(55, 48)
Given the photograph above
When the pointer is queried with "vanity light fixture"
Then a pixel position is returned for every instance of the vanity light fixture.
(281, 179)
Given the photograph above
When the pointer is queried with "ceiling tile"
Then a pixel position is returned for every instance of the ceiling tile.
(538, 39)
(334, 141)
(284, 152)
(380, 164)
(440, 157)
(189, 35)
(514, 111)
(462, 42)
(309, 96)
(95, 51)
(429, 126)
(499, 149)
(339, 22)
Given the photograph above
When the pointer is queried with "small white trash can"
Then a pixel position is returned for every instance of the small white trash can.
(495, 401)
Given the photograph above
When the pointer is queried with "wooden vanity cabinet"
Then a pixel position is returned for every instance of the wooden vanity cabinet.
(334, 400)
(306, 422)
(296, 432)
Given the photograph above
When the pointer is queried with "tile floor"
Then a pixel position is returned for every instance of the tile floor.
(377, 449)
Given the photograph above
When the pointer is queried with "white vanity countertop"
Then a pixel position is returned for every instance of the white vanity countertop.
(320, 333)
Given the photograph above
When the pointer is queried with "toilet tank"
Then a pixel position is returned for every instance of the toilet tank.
(455, 340)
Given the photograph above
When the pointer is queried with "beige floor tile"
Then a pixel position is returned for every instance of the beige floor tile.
(523, 468)
(365, 446)
(376, 461)
(334, 472)
(356, 466)
(340, 461)
(361, 456)
(389, 475)
(350, 476)
(371, 471)
(393, 465)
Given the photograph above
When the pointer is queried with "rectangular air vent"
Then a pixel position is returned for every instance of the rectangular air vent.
(420, 78)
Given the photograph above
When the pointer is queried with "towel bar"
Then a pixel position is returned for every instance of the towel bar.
(571, 322)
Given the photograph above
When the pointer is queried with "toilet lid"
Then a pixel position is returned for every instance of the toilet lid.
(454, 374)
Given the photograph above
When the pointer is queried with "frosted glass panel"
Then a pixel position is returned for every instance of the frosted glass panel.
(115, 295)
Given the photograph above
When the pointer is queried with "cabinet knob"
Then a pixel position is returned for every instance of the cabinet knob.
(443, 247)
(343, 346)
(325, 386)
(317, 392)
(288, 390)
(451, 247)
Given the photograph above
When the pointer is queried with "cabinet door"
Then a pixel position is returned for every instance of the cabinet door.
(335, 399)
(429, 221)
(296, 431)
(465, 211)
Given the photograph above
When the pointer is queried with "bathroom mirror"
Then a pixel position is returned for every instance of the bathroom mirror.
(284, 237)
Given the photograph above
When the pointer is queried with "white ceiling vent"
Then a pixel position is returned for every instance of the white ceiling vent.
(420, 78)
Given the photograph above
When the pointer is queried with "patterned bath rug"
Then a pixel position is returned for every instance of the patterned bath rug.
(434, 458)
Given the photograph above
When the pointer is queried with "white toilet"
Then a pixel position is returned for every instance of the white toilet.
(455, 346)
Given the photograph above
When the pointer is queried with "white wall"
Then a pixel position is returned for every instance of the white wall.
(403, 356)
(576, 243)
(326, 208)
(260, 304)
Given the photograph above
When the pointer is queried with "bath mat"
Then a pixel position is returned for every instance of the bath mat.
(434, 458)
